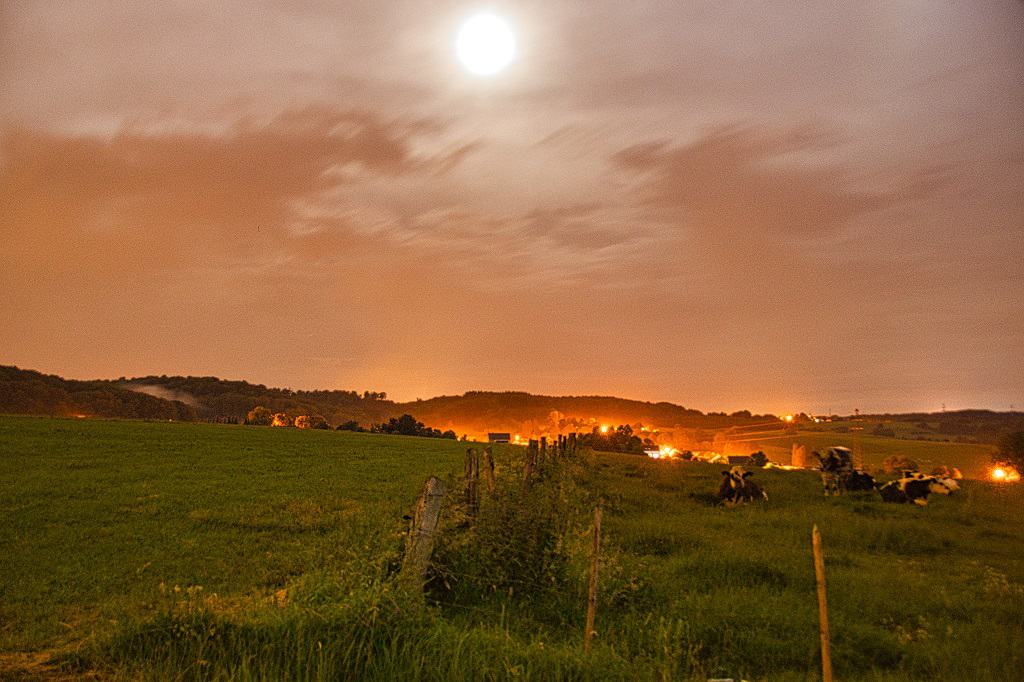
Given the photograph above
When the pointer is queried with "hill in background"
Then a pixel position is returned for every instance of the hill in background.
(187, 398)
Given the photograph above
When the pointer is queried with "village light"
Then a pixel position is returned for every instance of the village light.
(788, 417)
(1005, 474)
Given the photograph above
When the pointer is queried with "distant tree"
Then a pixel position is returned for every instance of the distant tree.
(282, 419)
(311, 421)
(351, 425)
(1011, 450)
(406, 425)
(621, 439)
(259, 416)
(758, 459)
(451, 435)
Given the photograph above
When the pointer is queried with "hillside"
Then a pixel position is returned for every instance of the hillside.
(475, 413)
(28, 392)
(212, 399)
(483, 411)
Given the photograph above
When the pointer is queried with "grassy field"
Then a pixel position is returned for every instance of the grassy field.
(973, 459)
(180, 551)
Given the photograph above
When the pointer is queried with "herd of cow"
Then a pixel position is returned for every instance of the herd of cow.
(839, 475)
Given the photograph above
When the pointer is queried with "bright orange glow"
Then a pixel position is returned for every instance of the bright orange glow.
(788, 417)
(1005, 474)
(663, 452)
(605, 428)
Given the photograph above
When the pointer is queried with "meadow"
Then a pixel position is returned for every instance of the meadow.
(188, 551)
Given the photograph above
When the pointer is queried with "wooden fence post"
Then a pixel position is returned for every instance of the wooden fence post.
(419, 544)
(819, 574)
(531, 460)
(489, 468)
(472, 481)
(595, 561)
(572, 443)
(543, 452)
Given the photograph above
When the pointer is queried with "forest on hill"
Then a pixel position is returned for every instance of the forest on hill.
(189, 398)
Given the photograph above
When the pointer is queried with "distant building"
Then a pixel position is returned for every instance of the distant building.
(499, 437)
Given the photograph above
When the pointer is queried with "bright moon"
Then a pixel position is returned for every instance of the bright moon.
(485, 44)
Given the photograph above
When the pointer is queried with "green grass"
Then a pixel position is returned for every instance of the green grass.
(293, 537)
(97, 514)
(973, 459)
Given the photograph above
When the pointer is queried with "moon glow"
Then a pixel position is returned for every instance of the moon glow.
(485, 44)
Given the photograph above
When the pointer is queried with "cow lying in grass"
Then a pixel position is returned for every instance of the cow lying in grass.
(916, 487)
(736, 489)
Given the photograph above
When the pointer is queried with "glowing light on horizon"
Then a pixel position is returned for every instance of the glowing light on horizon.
(1005, 474)
(788, 418)
(605, 428)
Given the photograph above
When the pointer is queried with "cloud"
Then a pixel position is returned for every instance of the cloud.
(754, 183)
(146, 198)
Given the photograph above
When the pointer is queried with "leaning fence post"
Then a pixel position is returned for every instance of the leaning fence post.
(595, 561)
(489, 468)
(819, 574)
(422, 533)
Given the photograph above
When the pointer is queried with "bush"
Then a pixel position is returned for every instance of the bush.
(259, 416)
(520, 546)
(406, 425)
(883, 431)
(893, 464)
(311, 421)
(1011, 450)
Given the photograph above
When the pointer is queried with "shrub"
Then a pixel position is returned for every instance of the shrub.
(1011, 450)
(896, 463)
(259, 416)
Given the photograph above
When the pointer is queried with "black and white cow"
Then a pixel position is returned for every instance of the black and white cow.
(939, 485)
(836, 466)
(916, 487)
(736, 489)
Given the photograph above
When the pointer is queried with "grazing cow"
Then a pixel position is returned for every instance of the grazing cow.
(914, 488)
(736, 489)
(836, 467)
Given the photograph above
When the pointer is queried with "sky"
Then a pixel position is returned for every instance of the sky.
(773, 206)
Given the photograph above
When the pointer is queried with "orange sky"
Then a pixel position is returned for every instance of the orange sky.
(773, 206)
